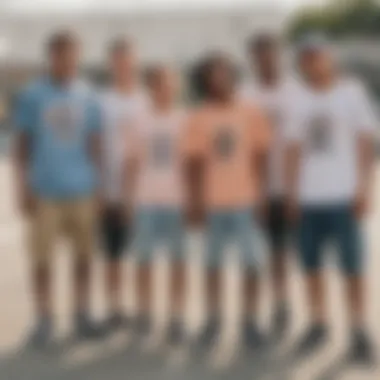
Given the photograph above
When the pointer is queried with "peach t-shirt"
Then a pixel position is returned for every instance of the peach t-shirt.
(226, 138)
(156, 141)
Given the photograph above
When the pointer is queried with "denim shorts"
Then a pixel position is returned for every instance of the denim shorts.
(158, 227)
(336, 224)
(234, 228)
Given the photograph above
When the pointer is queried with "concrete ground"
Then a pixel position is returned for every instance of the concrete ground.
(119, 357)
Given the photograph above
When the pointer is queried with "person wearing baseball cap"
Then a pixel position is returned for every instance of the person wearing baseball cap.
(329, 161)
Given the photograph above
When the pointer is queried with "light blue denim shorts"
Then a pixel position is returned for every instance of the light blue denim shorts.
(158, 227)
(234, 228)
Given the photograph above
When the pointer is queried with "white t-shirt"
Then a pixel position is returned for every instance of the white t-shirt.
(273, 101)
(327, 124)
(157, 143)
(118, 112)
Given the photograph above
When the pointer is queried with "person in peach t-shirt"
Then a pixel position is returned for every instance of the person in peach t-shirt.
(226, 139)
(155, 145)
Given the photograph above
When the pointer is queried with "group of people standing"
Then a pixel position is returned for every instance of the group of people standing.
(286, 156)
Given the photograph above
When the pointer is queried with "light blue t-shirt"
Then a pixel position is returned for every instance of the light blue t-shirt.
(60, 121)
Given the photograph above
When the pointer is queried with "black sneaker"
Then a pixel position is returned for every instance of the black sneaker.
(41, 335)
(315, 337)
(361, 350)
(210, 332)
(116, 321)
(252, 336)
(280, 323)
(176, 333)
(143, 325)
(85, 328)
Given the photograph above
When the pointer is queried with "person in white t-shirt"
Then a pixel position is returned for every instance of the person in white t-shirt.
(119, 104)
(330, 155)
(271, 90)
(155, 150)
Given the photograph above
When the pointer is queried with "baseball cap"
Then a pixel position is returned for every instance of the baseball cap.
(313, 42)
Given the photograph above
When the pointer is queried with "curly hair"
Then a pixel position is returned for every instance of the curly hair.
(201, 73)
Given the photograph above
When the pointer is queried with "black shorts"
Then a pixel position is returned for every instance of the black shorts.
(114, 231)
(277, 225)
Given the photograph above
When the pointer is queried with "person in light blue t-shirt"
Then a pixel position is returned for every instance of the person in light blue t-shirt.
(56, 161)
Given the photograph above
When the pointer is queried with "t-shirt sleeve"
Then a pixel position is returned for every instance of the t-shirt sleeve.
(364, 115)
(24, 112)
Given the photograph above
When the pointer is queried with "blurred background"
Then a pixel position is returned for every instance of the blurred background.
(177, 31)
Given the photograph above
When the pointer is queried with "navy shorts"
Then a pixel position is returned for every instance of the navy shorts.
(114, 231)
(336, 224)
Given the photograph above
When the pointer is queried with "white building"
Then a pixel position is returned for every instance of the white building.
(177, 35)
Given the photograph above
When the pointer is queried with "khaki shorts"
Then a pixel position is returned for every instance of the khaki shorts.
(51, 220)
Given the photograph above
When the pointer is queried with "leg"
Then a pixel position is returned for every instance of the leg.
(178, 267)
(277, 231)
(249, 239)
(216, 236)
(43, 231)
(348, 236)
(176, 330)
(144, 286)
(80, 220)
(146, 236)
(114, 231)
(312, 238)
(313, 233)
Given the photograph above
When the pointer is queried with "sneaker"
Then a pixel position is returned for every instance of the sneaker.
(210, 332)
(143, 325)
(176, 333)
(315, 337)
(41, 335)
(280, 321)
(116, 321)
(361, 350)
(85, 328)
(252, 336)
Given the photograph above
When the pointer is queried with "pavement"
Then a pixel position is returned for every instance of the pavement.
(121, 357)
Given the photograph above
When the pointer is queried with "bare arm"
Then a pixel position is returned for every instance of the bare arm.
(21, 156)
(291, 170)
(366, 159)
(97, 158)
(262, 141)
(194, 177)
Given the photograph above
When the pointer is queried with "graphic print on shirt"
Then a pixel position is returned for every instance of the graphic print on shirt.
(224, 144)
(320, 133)
(161, 150)
(63, 119)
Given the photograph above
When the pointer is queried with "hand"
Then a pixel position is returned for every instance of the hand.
(27, 202)
(100, 202)
(196, 216)
(263, 211)
(361, 205)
